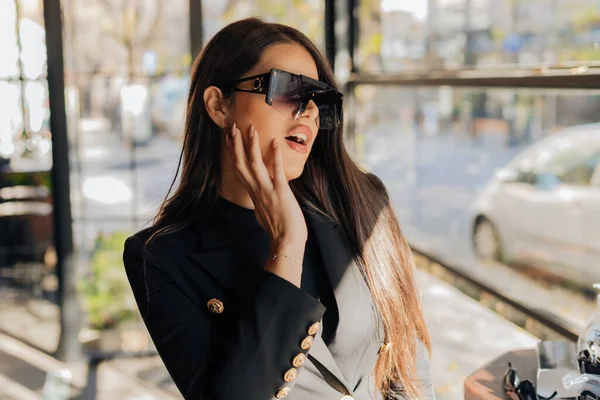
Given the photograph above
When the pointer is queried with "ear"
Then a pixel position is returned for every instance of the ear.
(216, 105)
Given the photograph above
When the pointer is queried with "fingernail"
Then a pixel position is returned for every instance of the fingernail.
(233, 130)
(251, 131)
(275, 144)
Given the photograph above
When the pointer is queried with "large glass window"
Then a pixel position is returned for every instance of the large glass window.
(448, 34)
(125, 100)
(28, 281)
(503, 183)
(496, 181)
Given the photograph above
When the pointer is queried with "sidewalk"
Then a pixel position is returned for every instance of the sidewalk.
(465, 335)
(23, 371)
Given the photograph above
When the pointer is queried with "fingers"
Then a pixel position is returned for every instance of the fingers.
(248, 161)
(279, 177)
(240, 161)
(257, 165)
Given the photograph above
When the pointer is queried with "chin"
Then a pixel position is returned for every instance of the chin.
(293, 172)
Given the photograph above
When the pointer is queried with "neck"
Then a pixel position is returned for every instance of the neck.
(233, 190)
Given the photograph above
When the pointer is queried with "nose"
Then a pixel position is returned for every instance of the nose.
(311, 111)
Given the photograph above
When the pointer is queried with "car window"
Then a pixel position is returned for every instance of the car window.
(568, 159)
(525, 176)
(573, 167)
(540, 155)
(596, 178)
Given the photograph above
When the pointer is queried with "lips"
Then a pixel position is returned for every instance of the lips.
(300, 130)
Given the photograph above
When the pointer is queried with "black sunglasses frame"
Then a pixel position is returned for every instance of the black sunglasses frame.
(261, 84)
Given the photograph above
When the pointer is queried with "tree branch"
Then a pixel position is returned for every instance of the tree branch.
(150, 34)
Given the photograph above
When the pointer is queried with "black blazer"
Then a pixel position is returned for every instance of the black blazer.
(229, 332)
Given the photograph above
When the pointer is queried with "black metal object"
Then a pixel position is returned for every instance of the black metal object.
(196, 28)
(578, 77)
(69, 347)
(21, 67)
(330, 46)
(352, 32)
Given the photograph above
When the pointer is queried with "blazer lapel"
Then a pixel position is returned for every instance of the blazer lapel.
(337, 260)
(320, 356)
(335, 253)
(215, 253)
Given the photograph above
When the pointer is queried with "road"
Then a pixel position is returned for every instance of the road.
(432, 180)
(109, 193)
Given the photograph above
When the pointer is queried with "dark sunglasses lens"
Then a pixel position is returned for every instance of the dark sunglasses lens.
(328, 116)
(291, 96)
(285, 91)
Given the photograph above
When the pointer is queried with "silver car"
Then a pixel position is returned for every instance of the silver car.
(543, 208)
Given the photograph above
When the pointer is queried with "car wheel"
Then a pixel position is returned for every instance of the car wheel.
(486, 240)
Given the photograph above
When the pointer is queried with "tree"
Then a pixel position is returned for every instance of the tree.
(110, 36)
(306, 16)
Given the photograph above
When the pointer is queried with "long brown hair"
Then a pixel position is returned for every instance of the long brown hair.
(331, 185)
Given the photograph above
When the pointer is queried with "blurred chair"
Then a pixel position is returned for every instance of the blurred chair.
(26, 235)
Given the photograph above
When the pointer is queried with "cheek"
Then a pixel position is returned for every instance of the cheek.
(252, 109)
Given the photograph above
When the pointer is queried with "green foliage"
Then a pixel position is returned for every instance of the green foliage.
(106, 293)
(587, 19)
(372, 44)
(41, 178)
(305, 16)
(581, 54)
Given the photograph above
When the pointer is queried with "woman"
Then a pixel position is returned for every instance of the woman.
(277, 267)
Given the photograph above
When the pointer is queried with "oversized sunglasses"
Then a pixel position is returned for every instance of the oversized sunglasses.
(290, 94)
(515, 389)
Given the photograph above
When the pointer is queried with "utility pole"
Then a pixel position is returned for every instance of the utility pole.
(69, 347)
(196, 28)
(430, 41)
(469, 60)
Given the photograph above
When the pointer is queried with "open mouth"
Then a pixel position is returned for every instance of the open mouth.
(299, 138)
